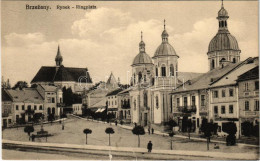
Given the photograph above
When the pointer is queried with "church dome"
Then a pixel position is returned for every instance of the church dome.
(223, 41)
(165, 49)
(142, 58)
(222, 12)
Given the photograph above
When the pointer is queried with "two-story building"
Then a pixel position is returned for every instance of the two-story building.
(26, 104)
(124, 107)
(6, 109)
(113, 102)
(53, 99)
(248, 95)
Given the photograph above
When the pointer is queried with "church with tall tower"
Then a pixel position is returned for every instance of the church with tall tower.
(223, 48)
(153, 79)
(75, 78)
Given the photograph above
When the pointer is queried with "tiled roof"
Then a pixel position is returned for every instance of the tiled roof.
(251, 74)
(115, 92)
(5, 96)
(223, 41)
(48, 88)
(52, 74)
(25, 95)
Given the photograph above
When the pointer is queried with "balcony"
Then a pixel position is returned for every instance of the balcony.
(164, 82)
(187, 109)
(60, 104)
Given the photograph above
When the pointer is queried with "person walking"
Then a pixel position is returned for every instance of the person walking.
(152, 130)
(149, 130)
(150, 146)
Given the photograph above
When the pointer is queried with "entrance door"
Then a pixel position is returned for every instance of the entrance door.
(145, 119)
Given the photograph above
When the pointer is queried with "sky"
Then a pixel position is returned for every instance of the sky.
(106, 39)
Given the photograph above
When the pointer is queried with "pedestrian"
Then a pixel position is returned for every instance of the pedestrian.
(150, 146)
(152, 130)
(116, 122)
(149, 131)
(33, 137)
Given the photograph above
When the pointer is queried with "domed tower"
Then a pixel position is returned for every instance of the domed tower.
(142, 65)
(58, 58)
(165, 58)
(223, 47)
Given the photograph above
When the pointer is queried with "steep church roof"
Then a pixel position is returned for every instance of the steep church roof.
(112, 81)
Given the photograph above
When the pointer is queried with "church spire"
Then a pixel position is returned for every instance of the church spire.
(142, 44)
(165, 35)
(58, 58)
(222, 18)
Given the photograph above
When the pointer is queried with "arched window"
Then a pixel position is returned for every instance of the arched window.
(222, 23)
(157, 102)
(163, 71)
(49, 110)
(145, 100)
(139, 77)
(156, 71)
(212, 64)
(225, 23)
(171, 70)
(53, 110)
(234, 60)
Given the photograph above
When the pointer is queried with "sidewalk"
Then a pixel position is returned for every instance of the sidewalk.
(166, 134)
(127, 151)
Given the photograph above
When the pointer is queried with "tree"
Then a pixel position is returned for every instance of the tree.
(231, 129)
(207, 129)
(21, 85)
(109, 131)
(87, 131)
(29, 130)
(138, 130)
(171, 135)
(67, 96)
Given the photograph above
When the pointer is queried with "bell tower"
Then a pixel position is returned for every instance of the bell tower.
(58, 58)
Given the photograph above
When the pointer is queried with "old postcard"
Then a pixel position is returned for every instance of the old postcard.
(130, 80)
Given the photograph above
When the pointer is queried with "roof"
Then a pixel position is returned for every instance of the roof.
(115, 92)
(222, 12)
(165, 49)
(231, 77)
(204, 80)
(125, 91)
(100, 103)
(5, 96)
(249, 75)
(49, 88)
(54, 74)
(25, 95)
(111, 82)
(142, 58)
(223, 41)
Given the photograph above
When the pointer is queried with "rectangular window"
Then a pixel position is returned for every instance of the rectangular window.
(223, 109)
(22, 107)
(216, 109)
(223, 93)
(231, 109)
(40, 107)
(246, 86)
(193, 100)
(246, 105)
(29, 107)
(178, 102)
(256, 85)
(35, 107)
(49, 99)
(202, 100)
(231, 92)
(52, 100)
(17, 107)
(215, 94)
(115, 102)
(185, 101)
(256, 105)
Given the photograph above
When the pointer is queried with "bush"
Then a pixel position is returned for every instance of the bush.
(231, 129)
